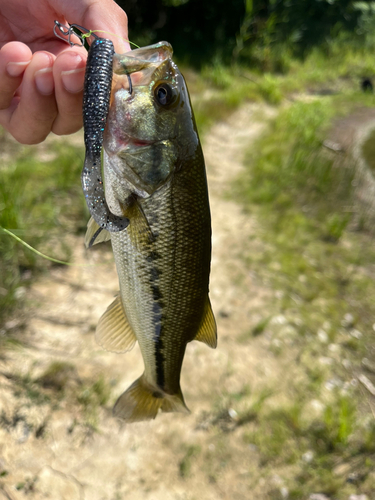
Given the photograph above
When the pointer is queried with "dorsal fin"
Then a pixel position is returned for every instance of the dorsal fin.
(95, 234)
(207, 332)
(114, 332)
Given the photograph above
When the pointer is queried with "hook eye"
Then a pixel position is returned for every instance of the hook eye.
(65, 33)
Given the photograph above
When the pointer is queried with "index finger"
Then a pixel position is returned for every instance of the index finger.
(14, 59)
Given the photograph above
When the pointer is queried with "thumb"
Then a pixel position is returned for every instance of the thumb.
(104, 15)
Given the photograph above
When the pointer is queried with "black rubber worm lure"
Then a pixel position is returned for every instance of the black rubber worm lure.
(96, 100)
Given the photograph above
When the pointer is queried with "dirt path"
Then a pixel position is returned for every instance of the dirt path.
(48, 448)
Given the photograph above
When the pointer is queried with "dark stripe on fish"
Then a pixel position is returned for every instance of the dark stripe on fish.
(157, 309)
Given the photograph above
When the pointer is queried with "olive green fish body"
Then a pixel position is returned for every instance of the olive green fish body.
(155, 177)
(164, 271)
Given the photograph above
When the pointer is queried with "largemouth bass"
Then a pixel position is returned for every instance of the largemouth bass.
(155, 181)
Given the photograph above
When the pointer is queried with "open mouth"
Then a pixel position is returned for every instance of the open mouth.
(133, 146)
(122, 142)
(139, 142)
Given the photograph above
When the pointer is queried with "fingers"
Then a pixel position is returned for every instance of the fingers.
(50, 97)
(112, 19)
(14, 59)
(40, 92)
(32, 111)
(69, 75)
(98, 15)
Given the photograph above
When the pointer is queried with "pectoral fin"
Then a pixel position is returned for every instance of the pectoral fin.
(207, 332)
(114, 332)
(139, 230)
(95, 234)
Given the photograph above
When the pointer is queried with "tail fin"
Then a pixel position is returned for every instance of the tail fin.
(142, 402)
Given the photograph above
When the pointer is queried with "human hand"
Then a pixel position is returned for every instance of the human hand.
(41, 77)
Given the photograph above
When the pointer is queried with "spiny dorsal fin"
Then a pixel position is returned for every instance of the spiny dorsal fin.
(207, 332)
(113, 332)
(95, 234)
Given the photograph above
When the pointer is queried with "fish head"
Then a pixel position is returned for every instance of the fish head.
(150, 125)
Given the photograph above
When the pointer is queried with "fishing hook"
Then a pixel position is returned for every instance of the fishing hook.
(130, 84)
(65, 33)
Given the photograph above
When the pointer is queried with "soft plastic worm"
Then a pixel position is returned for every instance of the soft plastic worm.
(96, 99)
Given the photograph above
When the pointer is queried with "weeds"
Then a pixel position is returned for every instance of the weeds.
(301, 195)
(58, 375)
(91, 397)
(186, 462)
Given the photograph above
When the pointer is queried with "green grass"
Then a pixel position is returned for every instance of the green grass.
(305, 197)
(336, 68)
(186, 462)
(322, 266)
(40, 202)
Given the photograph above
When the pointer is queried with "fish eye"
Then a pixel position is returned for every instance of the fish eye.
(164, 94)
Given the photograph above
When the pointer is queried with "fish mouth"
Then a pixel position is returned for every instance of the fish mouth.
(123, 143)
(139, 143)
(134, 144)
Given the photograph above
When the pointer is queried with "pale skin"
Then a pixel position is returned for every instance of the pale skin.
(41, 77)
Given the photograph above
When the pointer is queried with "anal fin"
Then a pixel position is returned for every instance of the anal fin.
(207, 332)
(114, 332)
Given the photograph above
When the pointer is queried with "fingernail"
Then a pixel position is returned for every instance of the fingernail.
(44, 81)
(73, 80)
(16, 68)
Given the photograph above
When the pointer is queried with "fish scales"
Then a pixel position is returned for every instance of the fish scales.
(171, 272)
